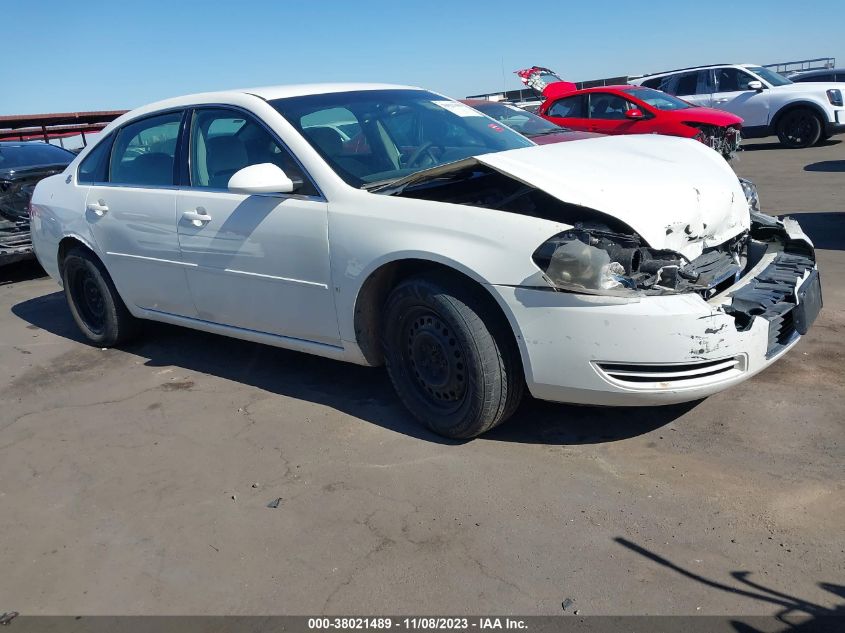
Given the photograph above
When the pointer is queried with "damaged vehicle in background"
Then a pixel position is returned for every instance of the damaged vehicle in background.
(636, 110)
(526, 123)
(22, 165)
(618, 270)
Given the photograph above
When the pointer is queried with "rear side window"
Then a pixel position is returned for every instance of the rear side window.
(144, 151)
(653, 83)
(95, 166)
(687, 84)
(572, 107)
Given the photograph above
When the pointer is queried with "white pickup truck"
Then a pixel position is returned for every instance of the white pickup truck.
(800, 114)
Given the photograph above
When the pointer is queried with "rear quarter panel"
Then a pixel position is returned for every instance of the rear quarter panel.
(58, 211)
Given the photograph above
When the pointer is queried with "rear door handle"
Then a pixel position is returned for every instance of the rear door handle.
(99, 208)
(197, 217)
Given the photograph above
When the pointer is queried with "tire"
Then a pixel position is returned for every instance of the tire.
(451, 356)
(799, 128)
(94, 302)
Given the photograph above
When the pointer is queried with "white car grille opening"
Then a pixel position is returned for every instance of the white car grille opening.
(671, 375)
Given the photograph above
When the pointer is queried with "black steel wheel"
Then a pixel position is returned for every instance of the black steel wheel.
(451, 356)
(93, 300)
(799, 128)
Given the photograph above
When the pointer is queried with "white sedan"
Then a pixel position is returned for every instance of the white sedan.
(622, 270)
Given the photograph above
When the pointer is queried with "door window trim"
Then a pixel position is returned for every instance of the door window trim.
(114, 134)
(183, 155)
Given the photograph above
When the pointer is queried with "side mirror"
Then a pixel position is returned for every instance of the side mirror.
(755, 85)
(262, 178)
(635, 114)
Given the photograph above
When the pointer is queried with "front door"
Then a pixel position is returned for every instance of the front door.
(732, 94)
(131, 210)
(607, 115)
(257, 262)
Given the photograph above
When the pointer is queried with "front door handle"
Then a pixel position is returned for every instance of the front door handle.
(99, 208)
(720, 101)
(197, 217)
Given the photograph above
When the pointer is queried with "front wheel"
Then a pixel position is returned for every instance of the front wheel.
(94, 302)
(799, 128)
(450, 356)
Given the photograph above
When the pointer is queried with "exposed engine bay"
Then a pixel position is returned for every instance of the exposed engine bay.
(724, 140)
(601, 254)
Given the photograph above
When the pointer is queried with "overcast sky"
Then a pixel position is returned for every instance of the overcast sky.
(68, 55)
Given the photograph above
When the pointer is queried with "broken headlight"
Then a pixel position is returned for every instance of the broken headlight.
(601, 262)
(751, 195)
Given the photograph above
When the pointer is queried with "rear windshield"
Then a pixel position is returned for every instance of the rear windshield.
(32, 154)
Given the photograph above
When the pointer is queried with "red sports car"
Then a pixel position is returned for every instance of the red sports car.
(638, 110)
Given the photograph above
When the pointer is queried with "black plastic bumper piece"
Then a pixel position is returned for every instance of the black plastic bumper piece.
(772, 295)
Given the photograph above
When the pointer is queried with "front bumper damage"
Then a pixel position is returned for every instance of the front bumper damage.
(666, 349)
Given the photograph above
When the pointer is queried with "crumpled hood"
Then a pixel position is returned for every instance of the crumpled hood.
(676, 193)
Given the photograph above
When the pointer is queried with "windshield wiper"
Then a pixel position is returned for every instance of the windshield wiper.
(374, 186)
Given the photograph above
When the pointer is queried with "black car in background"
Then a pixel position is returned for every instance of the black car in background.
(22, 165)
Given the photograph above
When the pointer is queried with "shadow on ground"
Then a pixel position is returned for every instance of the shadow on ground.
(363, 392)
(826, 165)
(21, 271)
(821, 619)
(756, 147)
(826, 229)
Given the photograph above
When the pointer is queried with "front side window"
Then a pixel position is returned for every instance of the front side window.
(144, 151)
(225, 141)
(394, 133)
(732, 79)
(659, 100)
(571, 107)
(604, 105)
(769, 75)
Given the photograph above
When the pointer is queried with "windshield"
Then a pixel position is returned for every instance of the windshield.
(31, 154)
(775, 79)
(395, 133)
(518, 119)
(659, 100)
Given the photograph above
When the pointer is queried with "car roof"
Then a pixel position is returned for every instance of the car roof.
(267, 93)
(817, 71)
(705, 66)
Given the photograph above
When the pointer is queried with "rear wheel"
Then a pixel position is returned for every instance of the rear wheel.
(93, 300)
(799, 128)
(450, 356)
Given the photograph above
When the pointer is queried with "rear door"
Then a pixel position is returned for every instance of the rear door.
(131, 211)
(695, 86)
(570, 112)
(733, 95)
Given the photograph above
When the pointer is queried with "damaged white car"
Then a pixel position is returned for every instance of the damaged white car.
(622, 270)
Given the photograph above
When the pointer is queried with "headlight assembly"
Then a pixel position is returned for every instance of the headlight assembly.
(602, 262)
(751, 194)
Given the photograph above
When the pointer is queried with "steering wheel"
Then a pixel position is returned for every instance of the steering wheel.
(425, 148)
